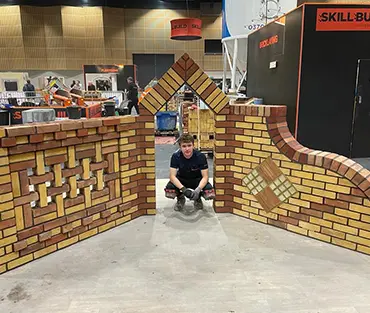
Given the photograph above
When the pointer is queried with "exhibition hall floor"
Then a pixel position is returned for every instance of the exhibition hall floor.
(191, 263)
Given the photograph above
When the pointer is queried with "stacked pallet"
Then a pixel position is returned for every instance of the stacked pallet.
(186, 108)
(202, 127)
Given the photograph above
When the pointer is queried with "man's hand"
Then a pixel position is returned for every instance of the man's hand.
(188, 192)
(196, 194)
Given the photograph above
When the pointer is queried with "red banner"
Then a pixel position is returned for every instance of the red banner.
(340, 19)
(186, 29)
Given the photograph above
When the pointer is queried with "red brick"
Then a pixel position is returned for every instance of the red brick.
(45, 236)
(92, 123)
(5, 188)
(18, 149)
(322, 207)
(299, 216)
(36, 180)
(110, 149)
(7, 223)
(109, 121)
(76, 216)
(60, 135)
(85, 154)
(82, 132)
(23, 234)
(32, 248)
(48, 145)
(57, 159)
(98, 166)
(36, 138)
(109, 177)
(88, 220)
(105, 213)
(350, 199)
(20, 130)
(357, 192)
(55, 223)
(114, 216)
(73, 141)
(86, 183)
(97, 223)
(96, 209)
(55, 239)
(109, 136)
(8, 142)
(113, 203)
(288, 220)
(20, 245)
(78, 230)
(70, 125)
(99, 193)
(15, 167)
(138, 213)
(47, 128)
(125, 206)
(92, 138)
(277, 223)
(67, 228)
(27, 213)
(312, 212)
(68, 172)
(74, 201)
(34, 196)
(54, 191)
(52, 207)
(358, 179)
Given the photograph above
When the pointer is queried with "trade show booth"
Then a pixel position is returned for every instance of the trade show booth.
(316, 60)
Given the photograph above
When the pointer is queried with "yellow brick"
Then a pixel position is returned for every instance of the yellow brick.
(106, 226)
(67, 242)
(6, 197)
(150, 200)
(123, 220)
(332, 174)
(19, 217)
(338, 188)
(56, 231)
(319, 221)
(345, 229)
(150, 164)
(256, 204)
(220, 118)
(295, 180)
(21, 140)
(42, 190)
(220, 180)
(325, 178)
(254, 133)
(4, 161)
(359, 224)
(9, 257)
(129, 198)
(270, 215)
(240, 213)
(8, 214)
(236, 169)
(260, 126)
(251, 146)
(309, 226)
(313, 169)
(220, 168)
(129, 173)
(335, 218)
(345, 182)
(220, 143)
(319, 236)
(91, 131)
(3, 151)
(253, 119)
(71, 157)
(367, 202)
(270, 148)
(47, 217)
(128, 147)
(243, 138)
(7, 241)
(312, 198)
(128, 133)
(258, 218)
(291, 165)
(20, 261)
(57, 151)
(108, 143)
(261, 154)
(297, 229)
(365, 218)
(261, 140)
(242, 151)
(238, 175)
(22, 157)
(45, 251)
(302, 174)
(4, 170)
(312, 183)
(251, 159)
(357, 239)
(244, 125)
(32, 240)
(220, 131)
(147, 170)
(279, 156)
(123, 141)
(359, 208)
(9, 231)
(347, 213)
(219, 204)
(363, 249)
(294, 205)
(280, 211)
(364, 233)
(88, 234)
(76, 223)
(149, 138)
(150, 188)
(99, 200)
(149, 125)
(151, 211)
(5, 179)
(71, 133)
(249, 209)
(9, 249)
(304, 189)
(323, 193)
(150, 151)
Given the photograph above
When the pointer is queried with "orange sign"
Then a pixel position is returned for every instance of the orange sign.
(337, 19)
(270, 41)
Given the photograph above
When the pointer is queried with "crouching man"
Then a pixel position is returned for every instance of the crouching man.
(189, 175)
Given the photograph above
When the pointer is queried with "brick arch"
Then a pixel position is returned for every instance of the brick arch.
(185, 71)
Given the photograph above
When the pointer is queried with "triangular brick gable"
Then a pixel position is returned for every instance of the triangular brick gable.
(185, 70)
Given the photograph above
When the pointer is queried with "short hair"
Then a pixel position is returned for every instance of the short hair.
(28, 81)
(186, 138)
(130, 79)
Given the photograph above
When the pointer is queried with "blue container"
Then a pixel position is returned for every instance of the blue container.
(258, 101)
(166, 120)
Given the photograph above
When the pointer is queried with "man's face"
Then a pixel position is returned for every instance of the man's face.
(187, 149)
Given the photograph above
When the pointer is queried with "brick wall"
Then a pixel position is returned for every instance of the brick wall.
(63, 182)
(331, 202)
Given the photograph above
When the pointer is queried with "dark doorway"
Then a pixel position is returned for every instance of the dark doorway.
(150, 66)
(360, 147)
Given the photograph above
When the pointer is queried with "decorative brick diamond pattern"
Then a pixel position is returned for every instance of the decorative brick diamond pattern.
(269, 185)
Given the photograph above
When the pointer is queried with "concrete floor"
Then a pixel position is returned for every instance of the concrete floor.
(191, 263)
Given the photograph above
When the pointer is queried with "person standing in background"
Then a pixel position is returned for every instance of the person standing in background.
(29, 89)
(132, 95)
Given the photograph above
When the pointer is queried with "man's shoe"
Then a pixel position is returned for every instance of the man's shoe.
(180, 204)
(198, 204)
